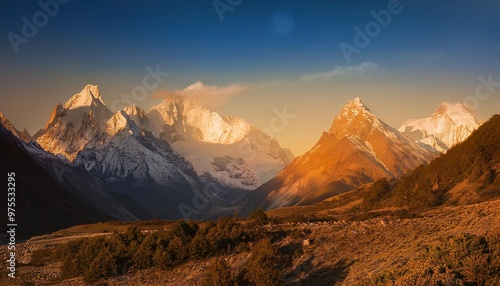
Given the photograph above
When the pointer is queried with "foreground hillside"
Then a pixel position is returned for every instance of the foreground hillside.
(451, 244)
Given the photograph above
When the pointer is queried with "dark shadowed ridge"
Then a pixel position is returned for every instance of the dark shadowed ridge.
(42, 204)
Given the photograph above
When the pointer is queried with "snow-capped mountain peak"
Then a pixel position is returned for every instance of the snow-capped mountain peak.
(448, 125)
(358, 149)
(354, 119)
(354, 107)
(120, 121)
(75, 124)
(214, 143)
(356, 103)
(90, 95)
(456, 112)
(134, 110)
(188, 120)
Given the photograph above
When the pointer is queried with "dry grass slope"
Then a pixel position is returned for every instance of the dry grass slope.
(332, 252)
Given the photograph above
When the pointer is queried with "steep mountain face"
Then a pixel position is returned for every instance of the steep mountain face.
(449, 124)
(225, 150)
(359, 148)
(24, 135)
(85, 186)
(72, 126)
(135, 163)
(394, 151)
(43, 204)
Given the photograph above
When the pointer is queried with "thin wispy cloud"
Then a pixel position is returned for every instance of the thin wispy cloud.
(208, 95)
(342, 71)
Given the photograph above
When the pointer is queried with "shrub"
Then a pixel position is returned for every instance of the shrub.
(183, 230)
(98, 258)
(132, 235)
(460, 260)
(258, 217)
(376, 193)
(262, 266)
(102, 267)
(143, 257)
(200, 246)
(226, 234)
(218, 274)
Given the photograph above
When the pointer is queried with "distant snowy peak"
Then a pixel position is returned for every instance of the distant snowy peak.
(23, 135)
(134, 110)
(188, 120)
(354, 104)
(120, 121)
(223, 149)
(90, 95)
(458, 112)
(138, 115)
(449, 125)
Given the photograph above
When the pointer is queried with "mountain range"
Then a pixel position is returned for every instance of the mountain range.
(184, 124)
(177, 160)
(180, 159)
(465, 175)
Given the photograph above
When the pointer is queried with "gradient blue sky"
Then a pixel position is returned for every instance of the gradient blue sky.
(432, 51)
